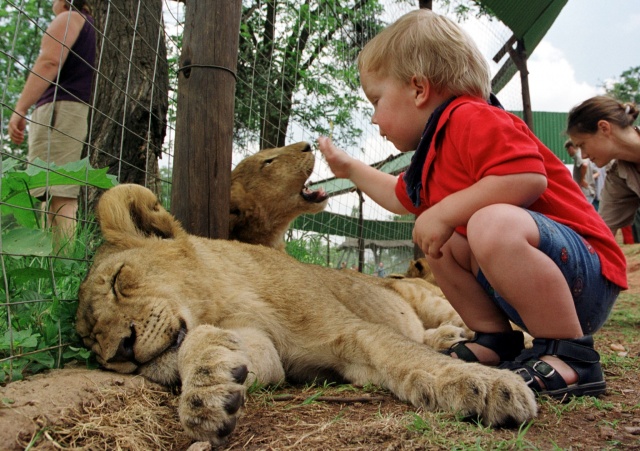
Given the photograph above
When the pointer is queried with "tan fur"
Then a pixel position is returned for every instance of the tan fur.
(267, 193)
(151, 283)
(420, 269)
(436, 313)
(443, 326)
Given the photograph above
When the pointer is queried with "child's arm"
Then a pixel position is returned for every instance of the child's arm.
(436, 225)
(376, 184)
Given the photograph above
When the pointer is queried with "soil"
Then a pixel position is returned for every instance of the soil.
(75, 408)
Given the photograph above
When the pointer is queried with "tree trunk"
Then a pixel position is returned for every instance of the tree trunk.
(280, 94)
(128, 125)
(360, 232)
(276, 120)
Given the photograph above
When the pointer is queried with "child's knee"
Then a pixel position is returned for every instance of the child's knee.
(484, 226)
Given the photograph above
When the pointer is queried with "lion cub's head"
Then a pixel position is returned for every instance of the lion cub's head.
(132, 312)
(420, 269)
(268, 192)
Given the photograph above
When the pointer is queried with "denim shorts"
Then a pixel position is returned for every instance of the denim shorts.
(593, 295)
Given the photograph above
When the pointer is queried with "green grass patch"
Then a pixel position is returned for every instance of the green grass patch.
(39, 284)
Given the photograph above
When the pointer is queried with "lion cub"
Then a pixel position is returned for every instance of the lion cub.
(268, 192)
(182, 309)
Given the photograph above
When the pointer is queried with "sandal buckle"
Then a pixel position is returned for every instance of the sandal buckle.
(543, 368)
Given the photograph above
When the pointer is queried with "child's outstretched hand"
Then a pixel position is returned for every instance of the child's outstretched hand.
(338, 160)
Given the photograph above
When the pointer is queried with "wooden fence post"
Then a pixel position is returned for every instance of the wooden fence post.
(204, 123)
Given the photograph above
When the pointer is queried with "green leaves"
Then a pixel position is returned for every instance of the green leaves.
(25, 236)
(627, 87)
(16, 184)
(23, 342)
(19, 339)
(24, 241)
(296, 65)
(39, 317)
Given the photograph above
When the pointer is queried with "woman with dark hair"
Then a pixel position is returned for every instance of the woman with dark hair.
(603, 129)
(59, 86)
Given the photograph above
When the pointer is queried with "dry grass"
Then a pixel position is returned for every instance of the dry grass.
(142, 418)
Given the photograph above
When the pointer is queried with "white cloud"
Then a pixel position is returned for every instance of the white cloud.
(552, 83)
(634, 22)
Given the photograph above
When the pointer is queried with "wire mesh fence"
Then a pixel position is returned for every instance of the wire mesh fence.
(296, 81)
(128, 138)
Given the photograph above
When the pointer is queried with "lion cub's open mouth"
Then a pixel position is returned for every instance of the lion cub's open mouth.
(315, 196)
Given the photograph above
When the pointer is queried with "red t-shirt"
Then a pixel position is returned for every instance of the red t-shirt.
(481, 140)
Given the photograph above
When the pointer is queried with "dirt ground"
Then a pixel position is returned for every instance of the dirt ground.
(79, 409)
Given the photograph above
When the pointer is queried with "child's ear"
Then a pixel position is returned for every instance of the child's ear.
(422, 89)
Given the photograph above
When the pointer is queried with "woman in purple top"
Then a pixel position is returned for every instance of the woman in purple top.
(59, 86)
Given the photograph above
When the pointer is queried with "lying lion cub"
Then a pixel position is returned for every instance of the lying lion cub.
(177, 308)
(268, 192)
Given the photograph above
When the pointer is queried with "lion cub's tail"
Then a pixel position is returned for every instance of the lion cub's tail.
(130, 214)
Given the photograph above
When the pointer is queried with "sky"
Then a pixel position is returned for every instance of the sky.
(590, 42)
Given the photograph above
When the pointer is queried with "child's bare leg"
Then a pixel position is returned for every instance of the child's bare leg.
(502, 240)
(508, 255)
(455, 272)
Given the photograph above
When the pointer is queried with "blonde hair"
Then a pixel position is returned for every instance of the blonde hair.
(584, 117)
(427, 45)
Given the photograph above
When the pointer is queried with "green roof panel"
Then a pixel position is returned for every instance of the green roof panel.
(529, 21)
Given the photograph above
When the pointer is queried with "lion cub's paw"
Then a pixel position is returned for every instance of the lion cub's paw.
(443, 337)
(498, 397)
(210, 413)
(213, 369)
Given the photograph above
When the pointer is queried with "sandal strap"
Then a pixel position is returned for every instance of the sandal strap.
(462, 351)
(579, 350)
(578, 353)
(507, 345)
(531, 369)
(575, 351)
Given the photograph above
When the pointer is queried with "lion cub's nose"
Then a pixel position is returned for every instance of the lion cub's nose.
(125, 349)
(307, 147)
